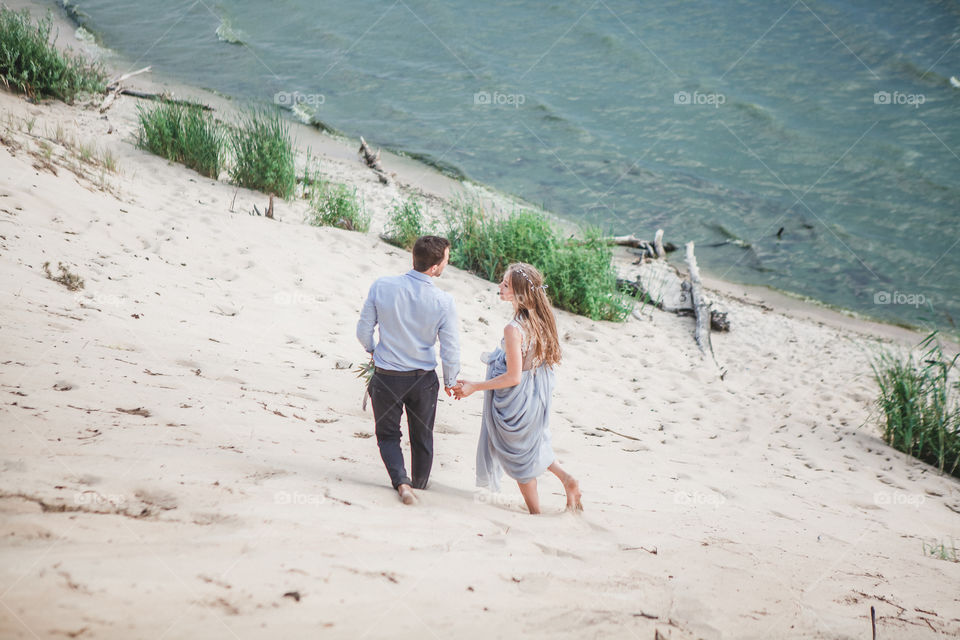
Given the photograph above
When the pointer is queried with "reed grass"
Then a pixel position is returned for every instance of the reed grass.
(919, 406)
(263, 155)
(406, 224)
(578, 272)
(31, 64)
(185, 134)
(336, 205)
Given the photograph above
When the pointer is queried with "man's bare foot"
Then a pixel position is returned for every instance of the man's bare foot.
(572, 487)
(406, 494)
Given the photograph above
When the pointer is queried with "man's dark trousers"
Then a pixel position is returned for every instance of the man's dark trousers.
(390, 394)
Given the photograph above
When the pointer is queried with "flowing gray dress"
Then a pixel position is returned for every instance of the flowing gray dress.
(514, 431)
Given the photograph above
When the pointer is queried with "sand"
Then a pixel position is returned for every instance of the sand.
(185, 454)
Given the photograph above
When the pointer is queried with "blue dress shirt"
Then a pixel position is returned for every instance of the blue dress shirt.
(412, 314)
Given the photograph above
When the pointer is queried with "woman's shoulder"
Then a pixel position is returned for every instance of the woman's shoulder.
(513, 328)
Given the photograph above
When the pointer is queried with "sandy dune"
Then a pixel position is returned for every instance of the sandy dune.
(185, 455)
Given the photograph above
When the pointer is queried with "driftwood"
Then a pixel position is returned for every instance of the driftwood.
(647, 249)
(701, 308)
(372, 160)
(162, 97)
(108, 101)
(660, 284)
(116, 81)
(113, 88)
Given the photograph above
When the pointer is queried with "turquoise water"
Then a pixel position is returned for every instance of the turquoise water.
(833, 122)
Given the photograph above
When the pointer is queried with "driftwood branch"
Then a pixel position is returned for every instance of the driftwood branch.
(647, 249)
(162, 97)
(372, 160)
(660, 284)
(108, 101)
(127, 76)
(701, 308)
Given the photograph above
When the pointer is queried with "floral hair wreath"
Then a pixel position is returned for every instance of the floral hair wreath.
(523, 273)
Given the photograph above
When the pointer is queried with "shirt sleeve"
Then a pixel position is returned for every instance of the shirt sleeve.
(450, 345)
(368, 320)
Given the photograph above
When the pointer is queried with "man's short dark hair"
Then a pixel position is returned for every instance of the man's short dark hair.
(428, 251)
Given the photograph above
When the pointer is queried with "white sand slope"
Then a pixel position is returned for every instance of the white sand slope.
(183, 444)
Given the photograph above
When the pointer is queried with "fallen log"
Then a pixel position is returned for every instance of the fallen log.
(108, 101)
(647, 248)
(701, 308)
(162, 97)
(372, 160)
(658, 283)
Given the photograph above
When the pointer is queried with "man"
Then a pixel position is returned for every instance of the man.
(412, 314)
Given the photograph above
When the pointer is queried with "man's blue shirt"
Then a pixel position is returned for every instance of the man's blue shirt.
(412, 314)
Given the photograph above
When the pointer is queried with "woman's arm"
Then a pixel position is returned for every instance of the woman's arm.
(511, 378)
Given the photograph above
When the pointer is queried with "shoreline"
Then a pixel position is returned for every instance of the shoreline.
(417, 176)
(187, 456)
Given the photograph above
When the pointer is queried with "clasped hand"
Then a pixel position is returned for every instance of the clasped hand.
(463, 389)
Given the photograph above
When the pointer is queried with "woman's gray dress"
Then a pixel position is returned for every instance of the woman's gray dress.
(514, 432)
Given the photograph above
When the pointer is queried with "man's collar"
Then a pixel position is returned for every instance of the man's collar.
(419, 276)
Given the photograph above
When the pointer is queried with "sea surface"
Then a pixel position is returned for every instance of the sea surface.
(812, 146)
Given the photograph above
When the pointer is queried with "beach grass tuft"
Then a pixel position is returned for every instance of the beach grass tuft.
(185, 134)
(406, 224)
(942, 550)
(337, 205)
(919, 406)
(263, 154)
(68, 279)
(578, 271)
(31, 64)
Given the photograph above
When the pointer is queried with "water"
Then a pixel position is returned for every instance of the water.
(723, 122)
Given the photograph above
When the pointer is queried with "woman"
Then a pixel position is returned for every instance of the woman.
(514, 433)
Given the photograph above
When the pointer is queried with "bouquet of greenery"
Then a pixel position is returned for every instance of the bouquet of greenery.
(365, 371)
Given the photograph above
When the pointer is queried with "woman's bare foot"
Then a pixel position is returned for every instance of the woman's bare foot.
(572, 487)
(406, 494)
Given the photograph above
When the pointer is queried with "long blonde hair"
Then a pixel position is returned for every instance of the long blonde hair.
(534, 311)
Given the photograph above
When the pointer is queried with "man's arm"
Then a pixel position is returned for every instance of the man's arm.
(368, 320)
(449, 335)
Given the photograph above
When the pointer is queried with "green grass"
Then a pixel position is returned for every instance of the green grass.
(919, 407)
(31, 64)
(578, 272)
(406, 224)
(185, 134)
(336, 205)
(942, 551)
(263, 154)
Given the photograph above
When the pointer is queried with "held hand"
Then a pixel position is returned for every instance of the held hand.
(464, 389)
(447, 390)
